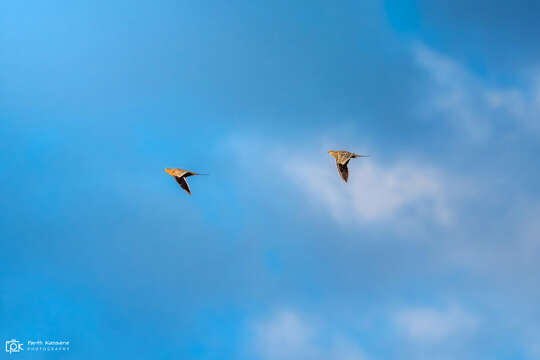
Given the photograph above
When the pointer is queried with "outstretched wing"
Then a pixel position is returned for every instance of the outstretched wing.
(182, 182)
(343, 171)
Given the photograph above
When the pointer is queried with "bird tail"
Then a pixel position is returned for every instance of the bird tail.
(358, 155)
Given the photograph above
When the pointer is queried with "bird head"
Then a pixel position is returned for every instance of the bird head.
(169, 171)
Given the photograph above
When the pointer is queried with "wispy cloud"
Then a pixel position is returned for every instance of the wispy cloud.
(375, 192)
(432, 325)
(522, 105)
(288, 335)
(472, 104)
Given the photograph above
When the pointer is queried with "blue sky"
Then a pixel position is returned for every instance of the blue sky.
(428, 252)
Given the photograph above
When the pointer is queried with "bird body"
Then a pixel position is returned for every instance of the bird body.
(180, 176)
(342, 160)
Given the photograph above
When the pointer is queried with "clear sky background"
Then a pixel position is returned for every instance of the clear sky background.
(429, 252)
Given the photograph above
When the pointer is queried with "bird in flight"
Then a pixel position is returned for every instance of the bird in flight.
(342, 159)
(180, 176)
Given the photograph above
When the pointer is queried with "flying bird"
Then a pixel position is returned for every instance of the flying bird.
(180, 176)
(342, 159)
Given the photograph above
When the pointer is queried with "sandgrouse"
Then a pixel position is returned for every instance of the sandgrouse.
(342, 159)
(180, 176)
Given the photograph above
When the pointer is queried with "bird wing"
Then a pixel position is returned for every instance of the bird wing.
(182, 182)
(181, 172)
(343, 171)
(344, 157)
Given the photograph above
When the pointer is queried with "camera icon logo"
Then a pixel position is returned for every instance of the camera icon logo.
(13, 346)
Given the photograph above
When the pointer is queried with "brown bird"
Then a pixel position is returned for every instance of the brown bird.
(180, 176)
(342, 159)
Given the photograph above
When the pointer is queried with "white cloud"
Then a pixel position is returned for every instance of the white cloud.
(375, 192)
(287, 335)
(283, 336)
(431, 325)
(403, 191)
(455, 95)
(473, 105)
(521, 105)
